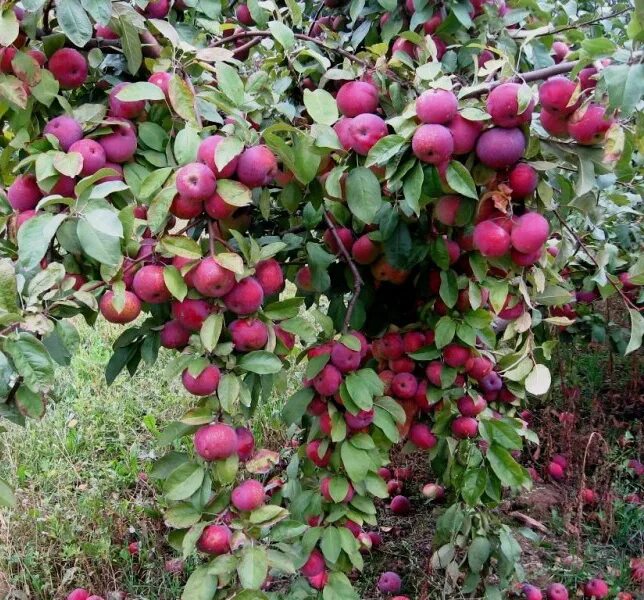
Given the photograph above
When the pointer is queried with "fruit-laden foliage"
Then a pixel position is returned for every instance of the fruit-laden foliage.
(447, 185)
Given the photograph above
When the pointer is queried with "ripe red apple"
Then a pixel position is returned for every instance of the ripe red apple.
(248, 334)
(319, 581)
(531, 592)
(500, 148)
(432, 144)
(242, 13)
(248, 495)
(420, 435)
(149, 285)
(157, 9)
(92, 153)
(556, 471)
(245, 443)
(211, 279)
(78, 594)
(206, 155)
(215, 540)
(469, 407)
(503, 106)
(173, 335)
(455, 355)
(523, 180)
(365, 251)
(24, 193)
(215, 441)
(120, 145)
(186, 208)
(589, 124)
(436, 106)
(363, 419)
(556, 591)
(464, 133)
(314, 564)
(313, 454)
(365, 130)
(124, 109)
(530, 232)
(357, 97)
(327, 381)
(465, 427)
(195, 181)
(559, 51)
(257, 166)
(400, 505)
(491, 240)
(343, 131)
(345, 359)
(404, 385)
(161, 79)
(346, 237)
(389, 583)
(245, 298)
(130, 311)
(69, 68)
(555, 125)
(205, 383)
(433, 491)
(555, 96)
(66, 130)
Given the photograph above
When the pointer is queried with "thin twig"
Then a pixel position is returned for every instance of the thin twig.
(625, 298)
(525, 33)
(315, 18)
(211, 237)
(357, 280)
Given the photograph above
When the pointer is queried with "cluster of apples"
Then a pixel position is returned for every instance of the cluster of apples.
(82, 594)
(217, 442)
(213, 288)
(564, 112)
(596, 589)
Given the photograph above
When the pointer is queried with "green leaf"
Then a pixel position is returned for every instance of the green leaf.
(260, 362)
(182, 99)
(103, 247)
(508, 470)
(445, 331)
(478, 553)
(184, 481)
(625, 85)
(412, 187)
(35, 236)
(449, 288)
(330, 543)
(7, 497)
(141, 90)
(538, 381)
(29, 403)
(234, 192)
(31, 360)
(339, 588)
(363, 194)
(357, 462)
(460, 180)
(180, 245)
(211, 330)
(131, 44)
(384, 150)
(230, 83)
(296, 406)
(359, 392)
(74, 21)
(8, 287)
(282, 34)
(200, 585)
(101, 10)
(474, 484)
(13, 90)
(253, 567)
(186, 145)
(175, 282)
(637, 331)
(321, 106)
(226, 150)
(9, 27)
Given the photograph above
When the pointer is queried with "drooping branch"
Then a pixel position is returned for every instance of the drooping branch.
(551, 30)
(627, 301)
(357, 279)
(529, 76)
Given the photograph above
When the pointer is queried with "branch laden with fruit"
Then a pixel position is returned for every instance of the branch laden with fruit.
(433, 178)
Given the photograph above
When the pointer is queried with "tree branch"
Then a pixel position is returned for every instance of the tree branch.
(357, 279)
(315, 18)
(550, 30)
(536, 75)
(627, 301)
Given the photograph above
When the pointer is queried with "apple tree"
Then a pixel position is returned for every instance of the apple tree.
(408, 199)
